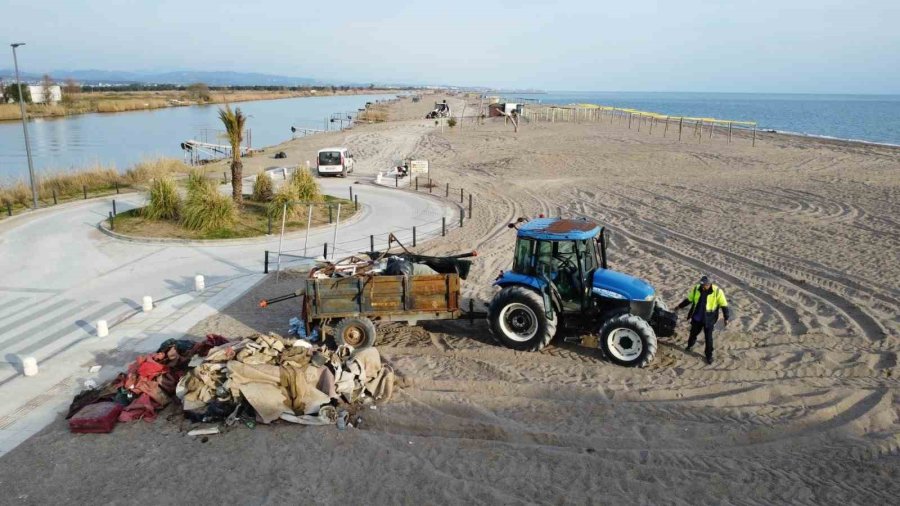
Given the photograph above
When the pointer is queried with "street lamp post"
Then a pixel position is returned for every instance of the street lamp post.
(25, 125)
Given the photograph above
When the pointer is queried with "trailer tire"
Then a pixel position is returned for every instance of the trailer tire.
(628, 340)
(358, 332)
(519, 321)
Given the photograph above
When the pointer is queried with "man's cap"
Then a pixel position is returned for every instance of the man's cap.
(704, 279)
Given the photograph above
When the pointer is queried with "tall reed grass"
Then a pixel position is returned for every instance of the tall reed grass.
(165, 203)
(302, 187)
(262, 187)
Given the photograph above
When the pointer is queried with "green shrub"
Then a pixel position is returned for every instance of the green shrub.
(451, 122)
(207, 209)
(305, 186)
(165, 203)
(198, 183)
(262, 188)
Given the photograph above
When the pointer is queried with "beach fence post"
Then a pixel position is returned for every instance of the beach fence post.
(712, 127)
(461, 216)
(337, 223)
(447, 191)
(640, 120)
(700, 137)
(460, 195)
(629, 120)
(754, 135)
(308, 225)
(666, 129)
(281, 241)
(470, 206)
(54, 196)
(443, 226)
(652, 120)
(729, 131)
(680, 125)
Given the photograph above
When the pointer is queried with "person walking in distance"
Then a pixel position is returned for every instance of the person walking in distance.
(705, 300)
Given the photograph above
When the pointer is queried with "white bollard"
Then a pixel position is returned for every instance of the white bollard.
(307, 164)
(147, 303)
(102, 328)
(199, 283)
(378, 178)
(29, 366)
(284, 172)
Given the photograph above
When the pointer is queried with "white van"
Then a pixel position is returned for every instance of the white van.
(334, 161)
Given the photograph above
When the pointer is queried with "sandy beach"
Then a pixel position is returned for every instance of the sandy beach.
(801, 405)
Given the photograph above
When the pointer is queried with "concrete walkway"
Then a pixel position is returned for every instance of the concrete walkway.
(60, 275)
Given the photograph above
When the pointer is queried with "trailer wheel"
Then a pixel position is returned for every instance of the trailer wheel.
(356, 332)
(519, 321)
(628, 340)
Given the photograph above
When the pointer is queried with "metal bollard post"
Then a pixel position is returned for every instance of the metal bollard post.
(460, 195)
(112, 222)
(430, 186)
(224, 177)
(84, 190)
(54, 196)
(356, 202)
(444, 226)
(351, 193)
(325, 250)
(9, 208)
(461, 216)
(114, 208)
(417, 183)
(470, 206)
(414, 237)
(447, 191)
(269, 226)
(397, 181)
(330, 214)
(266, 265)
(371, 243)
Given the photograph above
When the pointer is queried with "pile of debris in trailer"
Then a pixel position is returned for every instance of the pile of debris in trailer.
(258, 379)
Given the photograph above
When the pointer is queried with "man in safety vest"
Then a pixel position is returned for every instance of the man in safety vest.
(705, 300)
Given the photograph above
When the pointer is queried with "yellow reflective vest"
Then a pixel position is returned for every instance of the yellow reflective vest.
(714, 300)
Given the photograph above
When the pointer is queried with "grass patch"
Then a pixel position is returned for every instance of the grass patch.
(251, 221)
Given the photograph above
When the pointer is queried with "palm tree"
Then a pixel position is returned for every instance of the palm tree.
(234, 127)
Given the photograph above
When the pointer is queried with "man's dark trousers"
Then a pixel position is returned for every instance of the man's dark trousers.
(707, 329)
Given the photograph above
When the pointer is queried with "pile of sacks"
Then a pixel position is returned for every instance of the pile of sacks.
(261, 378)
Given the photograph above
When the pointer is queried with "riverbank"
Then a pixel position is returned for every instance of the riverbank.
(124, 101)
(800, 405)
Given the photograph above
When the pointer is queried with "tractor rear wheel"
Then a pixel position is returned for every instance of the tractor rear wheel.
(356, 332)
(628, 340)
(518, 319)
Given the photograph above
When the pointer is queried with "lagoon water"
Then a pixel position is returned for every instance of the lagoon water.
(874, 118)
(122, 139)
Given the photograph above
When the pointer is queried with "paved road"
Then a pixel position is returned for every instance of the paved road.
(60, 274)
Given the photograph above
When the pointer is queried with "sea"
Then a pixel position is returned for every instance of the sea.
(870, 118)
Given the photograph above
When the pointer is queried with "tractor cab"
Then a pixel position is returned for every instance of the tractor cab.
(560, 268)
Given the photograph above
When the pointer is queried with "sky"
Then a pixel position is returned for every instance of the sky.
(764, 46)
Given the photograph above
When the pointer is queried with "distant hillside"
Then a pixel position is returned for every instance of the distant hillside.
(213, 78)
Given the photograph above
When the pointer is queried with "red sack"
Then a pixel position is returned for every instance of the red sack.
(97, 418)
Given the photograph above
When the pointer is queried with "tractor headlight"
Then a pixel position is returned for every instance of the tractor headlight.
(650, 297)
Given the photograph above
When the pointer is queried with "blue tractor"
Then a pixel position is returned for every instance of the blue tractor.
(560, 278)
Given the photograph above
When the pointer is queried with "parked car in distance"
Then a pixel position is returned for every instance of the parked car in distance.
(334, 161)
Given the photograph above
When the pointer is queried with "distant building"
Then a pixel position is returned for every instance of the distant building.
(39, 96)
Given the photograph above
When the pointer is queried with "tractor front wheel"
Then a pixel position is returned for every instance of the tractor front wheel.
(628, 340)
(518, 319)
